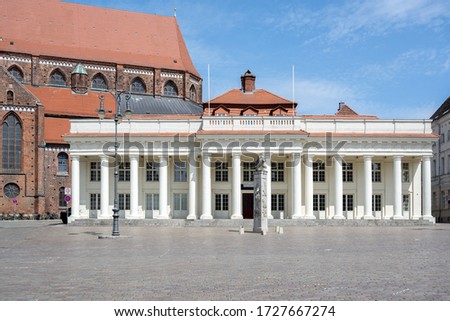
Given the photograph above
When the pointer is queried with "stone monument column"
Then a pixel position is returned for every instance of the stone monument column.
(260, 215)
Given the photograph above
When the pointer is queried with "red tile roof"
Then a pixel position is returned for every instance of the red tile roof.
(344, 110)
(63, 102)
(258, 97)
(82, 32)
(54, 128)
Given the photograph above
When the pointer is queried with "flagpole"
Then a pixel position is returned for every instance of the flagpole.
(293, 90)
(209, 93)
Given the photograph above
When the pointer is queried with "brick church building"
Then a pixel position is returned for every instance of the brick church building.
(56, 59)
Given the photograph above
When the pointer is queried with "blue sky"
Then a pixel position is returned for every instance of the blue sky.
(389, 58)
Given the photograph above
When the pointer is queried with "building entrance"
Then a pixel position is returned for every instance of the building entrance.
(247, 205)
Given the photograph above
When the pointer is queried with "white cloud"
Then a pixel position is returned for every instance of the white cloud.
(315, 96)
(356, 19)
(417, 62)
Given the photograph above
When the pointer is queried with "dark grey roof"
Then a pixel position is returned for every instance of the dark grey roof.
(143, 104)
(444, 109)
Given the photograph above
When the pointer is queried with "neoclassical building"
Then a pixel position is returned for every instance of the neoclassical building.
(440, 166)
(343, 166)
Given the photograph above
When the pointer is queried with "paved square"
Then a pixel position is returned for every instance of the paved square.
(51, 261)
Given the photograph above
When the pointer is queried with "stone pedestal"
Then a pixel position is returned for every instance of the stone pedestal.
(260, 213)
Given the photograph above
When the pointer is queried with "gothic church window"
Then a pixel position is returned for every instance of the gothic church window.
(11, 143)
(170, 89)
(192, 93)
(57, 78)
(99, 82)
(16, 73)
(137, 86)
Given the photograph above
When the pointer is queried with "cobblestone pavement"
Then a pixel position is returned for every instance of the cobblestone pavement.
(51, 261)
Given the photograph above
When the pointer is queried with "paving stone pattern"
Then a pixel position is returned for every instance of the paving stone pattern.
(52, 261)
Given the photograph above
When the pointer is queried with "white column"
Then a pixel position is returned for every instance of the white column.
(368, 188)
(75, 188)
(206, 188)
(416, 201)
(192, 187)
(269, 185)
(426, 176)
(397, 173)
(338, 188)
(297, 188)
(134, 186)
(309, 188)
(236, 208)
(163, 181)
(104, 187)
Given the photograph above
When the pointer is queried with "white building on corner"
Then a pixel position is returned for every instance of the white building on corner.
(199, 165)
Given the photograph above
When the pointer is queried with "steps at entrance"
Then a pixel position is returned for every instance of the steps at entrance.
(248, 223)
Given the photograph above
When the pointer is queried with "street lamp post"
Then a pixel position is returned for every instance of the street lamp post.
(117, 120)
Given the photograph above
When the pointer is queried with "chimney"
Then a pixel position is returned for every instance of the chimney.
(248, 82)
(341, 104)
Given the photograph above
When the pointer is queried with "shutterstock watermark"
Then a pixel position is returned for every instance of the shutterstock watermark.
(190, 149)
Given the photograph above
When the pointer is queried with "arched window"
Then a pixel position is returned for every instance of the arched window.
(63, 165)
(62, 195)
(170, 89)
(10, 97)
(99, 82)
(192, 93)
(11, 143)
(16, 73)
(137, 86)
(57, 78)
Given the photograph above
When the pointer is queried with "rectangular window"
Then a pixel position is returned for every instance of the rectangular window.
(347, 202)
(318, 171)
(124, 202)
(441, 168)
(277, 202)
(433, 169)
(443, 199)
(405, 172)
(434, 199)
(448, 164)
(152, 172)
(180, 202)
(221, 202)
(152, 202)
(277, 172)
(405, 202)
(319, 202)
(124, 172)
(376, 172)
(347, 172)
(180, 172)
(376, 203)
(95, 171)
(95, 201)
(248, 171)
(221, 172)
